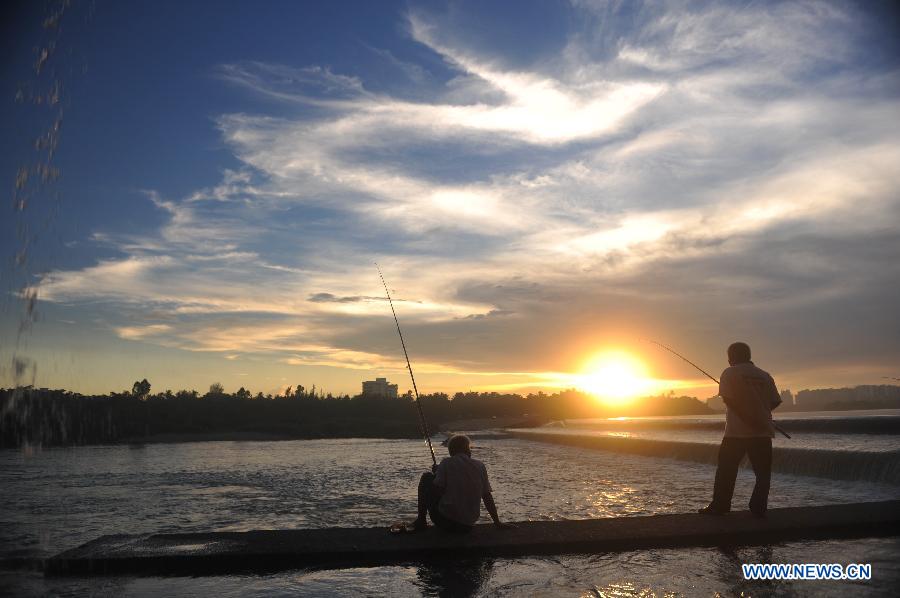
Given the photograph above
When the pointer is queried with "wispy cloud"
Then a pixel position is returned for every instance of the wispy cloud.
(308, 85)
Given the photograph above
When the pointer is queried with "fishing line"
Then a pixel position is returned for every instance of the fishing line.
(422, 423)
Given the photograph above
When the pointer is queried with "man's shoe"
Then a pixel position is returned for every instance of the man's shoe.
(711, 510)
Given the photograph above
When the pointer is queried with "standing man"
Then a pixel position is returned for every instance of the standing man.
(750, 396)
(452, 495)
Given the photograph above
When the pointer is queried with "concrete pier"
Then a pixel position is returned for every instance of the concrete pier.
(272, 550)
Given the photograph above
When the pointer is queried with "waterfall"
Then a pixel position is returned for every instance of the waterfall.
(881, 466)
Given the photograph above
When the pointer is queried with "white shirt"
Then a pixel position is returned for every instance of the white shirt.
(754, 392)
(464, 481)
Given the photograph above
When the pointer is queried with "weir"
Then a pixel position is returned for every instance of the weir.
(874, 422)
(835, 464)
(272, 550)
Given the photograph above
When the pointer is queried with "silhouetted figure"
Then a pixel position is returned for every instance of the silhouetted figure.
(750, 395)
(453, 493)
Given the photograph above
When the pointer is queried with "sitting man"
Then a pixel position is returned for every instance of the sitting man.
(453, 493)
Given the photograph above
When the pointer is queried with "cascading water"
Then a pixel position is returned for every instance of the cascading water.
(40, 104)
(816, 455)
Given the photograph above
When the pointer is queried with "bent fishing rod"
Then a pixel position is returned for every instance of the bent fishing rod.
(708, 375)
(422, 423)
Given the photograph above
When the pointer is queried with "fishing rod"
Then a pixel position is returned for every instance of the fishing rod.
(707, 374)
(422, 423)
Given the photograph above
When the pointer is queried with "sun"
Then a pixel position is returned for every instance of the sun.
(615, 377)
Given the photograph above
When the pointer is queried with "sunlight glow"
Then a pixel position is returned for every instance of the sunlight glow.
(616, 377)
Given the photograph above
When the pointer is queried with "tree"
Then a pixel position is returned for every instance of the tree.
(141, 390)
(216, 390)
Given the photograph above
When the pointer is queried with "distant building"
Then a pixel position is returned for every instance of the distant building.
(379, 387)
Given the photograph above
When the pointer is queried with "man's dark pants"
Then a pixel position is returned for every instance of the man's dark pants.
(731, 452)
(429, 498)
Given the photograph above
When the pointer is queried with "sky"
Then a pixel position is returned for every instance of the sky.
(540, 182)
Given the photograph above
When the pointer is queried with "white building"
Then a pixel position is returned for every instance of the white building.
(379, 387)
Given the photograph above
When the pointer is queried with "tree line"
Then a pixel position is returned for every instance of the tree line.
(867, 396)
(58, 417)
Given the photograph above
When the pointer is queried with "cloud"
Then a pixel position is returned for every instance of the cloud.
(694, 171)
(329, 298)
(141, 332)
(308, 85)
(416, 73)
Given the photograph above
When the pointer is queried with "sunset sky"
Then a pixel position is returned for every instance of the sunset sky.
(542, 184)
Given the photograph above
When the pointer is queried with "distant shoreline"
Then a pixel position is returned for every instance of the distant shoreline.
(884, 421)
(43, 417)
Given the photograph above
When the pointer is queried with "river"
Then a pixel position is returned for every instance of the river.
(54, 499)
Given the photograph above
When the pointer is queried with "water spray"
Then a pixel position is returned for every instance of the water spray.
(708, 375)
(422, 423)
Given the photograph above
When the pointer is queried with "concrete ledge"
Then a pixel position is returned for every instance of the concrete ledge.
(882, 466)
(272, 550)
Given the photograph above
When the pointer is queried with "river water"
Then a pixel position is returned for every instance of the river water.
(56, 499)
